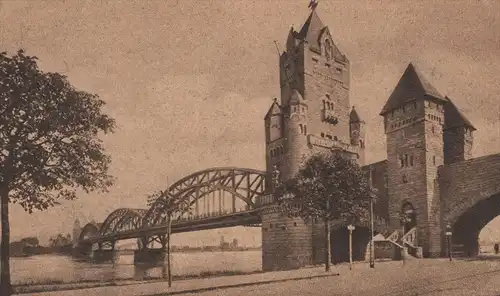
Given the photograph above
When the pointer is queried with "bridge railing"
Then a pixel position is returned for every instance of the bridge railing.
(192, 217)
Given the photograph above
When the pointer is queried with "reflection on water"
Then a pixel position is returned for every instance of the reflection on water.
(58, 269)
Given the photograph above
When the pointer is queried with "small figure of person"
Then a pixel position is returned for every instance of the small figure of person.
(496, 247)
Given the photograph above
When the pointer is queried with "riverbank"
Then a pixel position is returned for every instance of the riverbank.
(180, 286)
(49, 286)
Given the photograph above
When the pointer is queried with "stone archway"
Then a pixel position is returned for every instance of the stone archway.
(467, 226)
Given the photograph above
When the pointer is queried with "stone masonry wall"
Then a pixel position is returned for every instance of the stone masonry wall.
(406, 181)
(465, 183)
(434, 120)
(286, 242)
(327, 80)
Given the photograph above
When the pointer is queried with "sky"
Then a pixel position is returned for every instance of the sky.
(189, 82)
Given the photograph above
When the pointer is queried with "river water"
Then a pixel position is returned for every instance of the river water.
(45, 269)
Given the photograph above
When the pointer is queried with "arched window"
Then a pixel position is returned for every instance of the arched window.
(322, 135)
(402, 161)
(305, 129)
(361, 144)
(324, 105)
(411, 160)
(301, 128)
(335, 138)
(406, 160)
(281, 149)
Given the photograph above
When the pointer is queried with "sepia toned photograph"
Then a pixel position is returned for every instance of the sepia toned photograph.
(249, 147)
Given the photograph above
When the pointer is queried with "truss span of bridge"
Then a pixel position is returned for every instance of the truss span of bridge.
(208, 199)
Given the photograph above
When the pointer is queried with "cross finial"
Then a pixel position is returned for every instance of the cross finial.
(313, 4)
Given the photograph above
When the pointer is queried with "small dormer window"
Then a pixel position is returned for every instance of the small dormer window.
(328, 49)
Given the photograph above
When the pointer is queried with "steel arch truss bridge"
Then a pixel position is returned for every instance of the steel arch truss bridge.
(208, 199)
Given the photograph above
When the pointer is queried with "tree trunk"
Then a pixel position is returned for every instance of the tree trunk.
(169, 230)
(328, 251)
(5, 286)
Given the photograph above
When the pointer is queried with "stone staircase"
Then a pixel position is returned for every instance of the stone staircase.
(406, 243)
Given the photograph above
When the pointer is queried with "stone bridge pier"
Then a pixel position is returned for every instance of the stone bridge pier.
(146, 254)
(104, 253)
(150, 256)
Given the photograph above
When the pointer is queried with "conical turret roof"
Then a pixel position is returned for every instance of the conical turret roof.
(353, 116)
(275, 109)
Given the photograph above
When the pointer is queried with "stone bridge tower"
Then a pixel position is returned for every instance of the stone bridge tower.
(414, 121)
(312, 115)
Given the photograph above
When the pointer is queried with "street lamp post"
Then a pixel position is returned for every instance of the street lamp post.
(372, 251)
(350, 227)
(448, 237)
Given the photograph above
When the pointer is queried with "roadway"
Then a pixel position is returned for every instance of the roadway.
(428, 277)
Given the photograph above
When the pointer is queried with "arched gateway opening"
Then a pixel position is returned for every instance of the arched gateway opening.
(408, 217)
(467, 227)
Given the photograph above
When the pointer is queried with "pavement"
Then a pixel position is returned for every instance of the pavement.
(394, 278)
(428, 277)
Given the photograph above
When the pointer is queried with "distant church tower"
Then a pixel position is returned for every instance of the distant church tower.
(313, 115)
(76, 232)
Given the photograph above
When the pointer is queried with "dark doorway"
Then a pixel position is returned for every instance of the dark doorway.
(408, 217)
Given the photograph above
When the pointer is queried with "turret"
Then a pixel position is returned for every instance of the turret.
(357, 132)
(274, 137)
(295, 119)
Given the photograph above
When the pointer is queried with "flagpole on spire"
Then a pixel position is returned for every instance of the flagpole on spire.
(313, 4)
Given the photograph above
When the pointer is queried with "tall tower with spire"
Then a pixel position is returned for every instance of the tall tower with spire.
(312, 115)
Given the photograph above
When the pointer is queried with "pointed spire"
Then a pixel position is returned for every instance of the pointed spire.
(275, 109)
(312, 28)
(353, 116)
(453, 117)
(411, 86)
